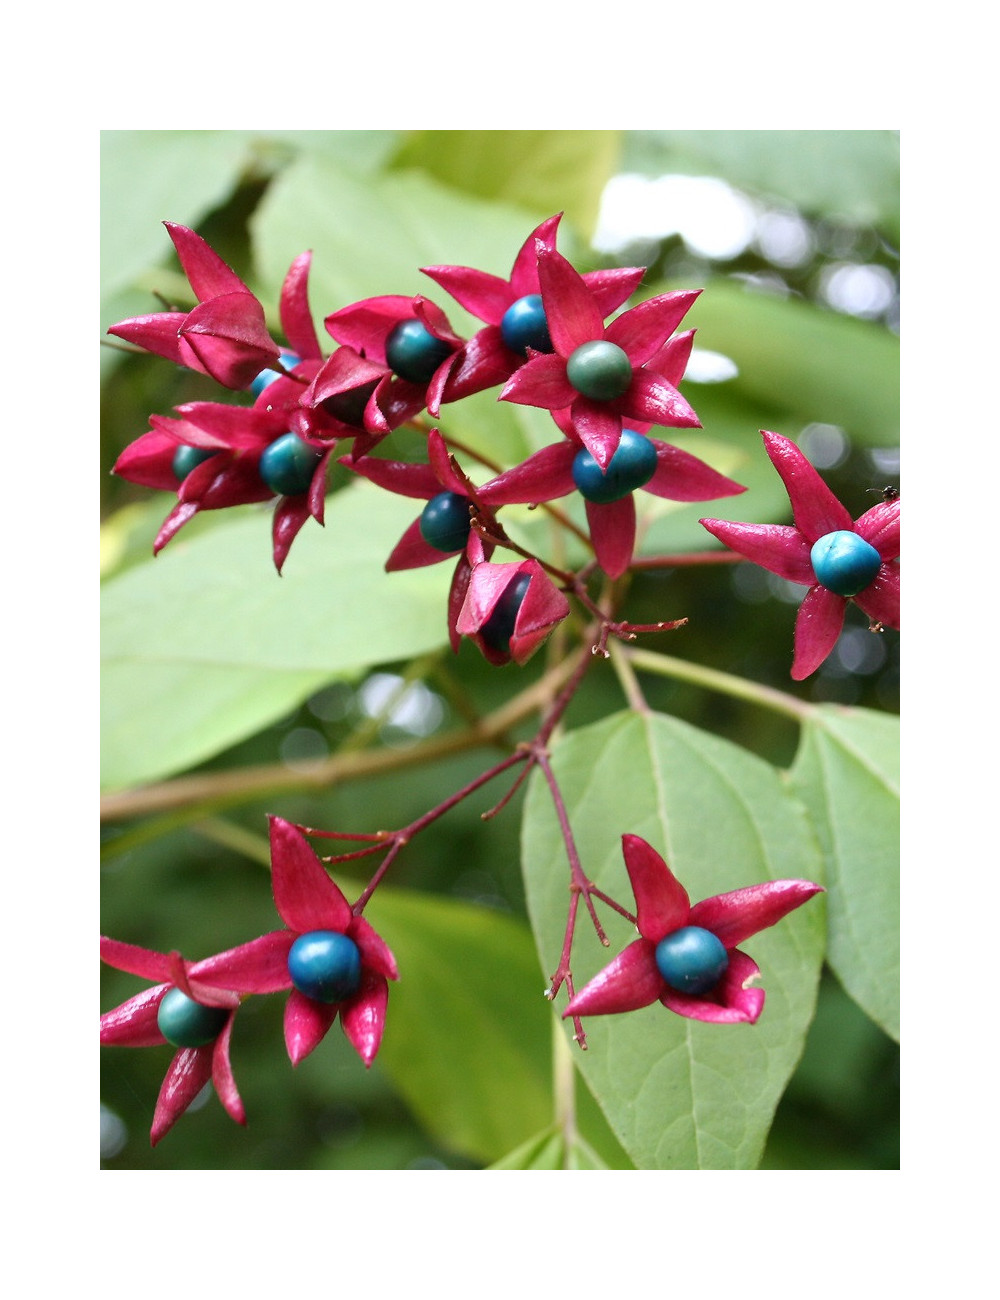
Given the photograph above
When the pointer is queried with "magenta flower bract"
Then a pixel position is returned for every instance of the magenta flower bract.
(679, 476)
(786, 551)
(541, 606)
(575, 319)
(486, 360)
(633, 979)
(365, 327)
(225, 336)
(308, 900)
(425, 481)
(257, 967)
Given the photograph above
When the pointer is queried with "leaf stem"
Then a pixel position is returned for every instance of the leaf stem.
(767, 697)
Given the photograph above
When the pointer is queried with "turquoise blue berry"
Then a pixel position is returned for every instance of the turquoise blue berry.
(413, 352)
(632, 466)
(266, 377)
(187, 1023)
(325, 965)
(524, 326)
(444, 522)
(187, 458)
(599, 370)
(288, 464)
(691, 960)
(844, 563)
(499, 627)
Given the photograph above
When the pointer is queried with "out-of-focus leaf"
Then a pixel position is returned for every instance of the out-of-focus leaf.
(847, 775)
(543, 171)
(679, 1094)
(468, 1032)
(814, 365)
(844, 175)
(371, 234)
(206, 644)
(552, 1149)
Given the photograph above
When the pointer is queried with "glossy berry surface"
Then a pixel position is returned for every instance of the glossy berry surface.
(632, 465)
(267, 377)
(444, 522)
(187, 458)
(844, 563)
(524, 326)
(325, 965)
(288, 464)
(413, 352)
(599, 370)
(499, 627)
(187, 1023)
(349, 407)
(691, 960)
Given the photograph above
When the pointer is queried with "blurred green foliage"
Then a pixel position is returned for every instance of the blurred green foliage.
(195, 878)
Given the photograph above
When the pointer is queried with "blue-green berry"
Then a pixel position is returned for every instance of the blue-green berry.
(187, 1023)
(325, 965)
(632, 465)
(844, 563)
(349, 407)
(499, 627)
(444, 522)
(524, 326)
(691, 960)
(267, 377)
(413, 352)
(188, 458)
(288, 464)
(599, 370)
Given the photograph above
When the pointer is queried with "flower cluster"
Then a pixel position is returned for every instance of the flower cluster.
(328, 956)
(551, 337)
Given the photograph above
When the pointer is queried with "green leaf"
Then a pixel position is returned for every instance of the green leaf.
(551, 1149)
(844, 175)
(543, 171)
(207, 644)
(847, 774)
(468, 1037)
(371, 234)
(811, 364)
(679, 1094)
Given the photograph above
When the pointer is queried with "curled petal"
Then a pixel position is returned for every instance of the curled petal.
(188, 1073)
(779, 548)
(542, 608)
(305, 896)
(483, 363)
(612, 287)
(817, 626)
(597, 427)
(737, 915)
(174, 522)
(661, 901)
(612, 530)
(652, 399)
(880, 528)
(457, 592)
(365, 326)
(289, 516)
(306, 1024)
(129, 957)
(572, 315)
(149, 461)
(680, 476)
(541, 381)
(412, 552)
(260, 966)
(484, 296)
(375, 952)
(524, 274)
(544, 476)
(222, 1075)
(441, 463)
(734, 999)
(880, 601)
(296, 318)
(401, 477)
(629, 982)
(133, 1024)
(816, 510)
(363, 1018)
(156, 332)
(208, 275)
(230, 340)
(643, 330)
(672, 359)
